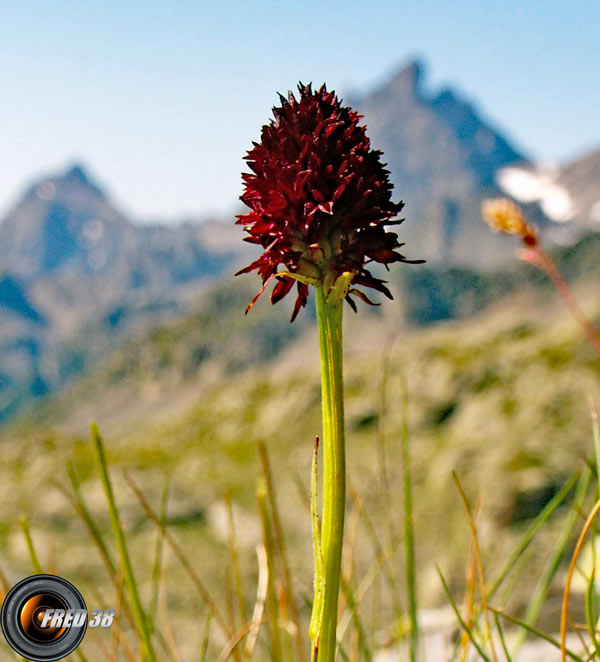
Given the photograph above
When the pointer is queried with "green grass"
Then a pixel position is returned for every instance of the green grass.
(502, 399)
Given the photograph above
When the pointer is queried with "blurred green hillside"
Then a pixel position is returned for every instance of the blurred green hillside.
(498, 378)
(157, 365)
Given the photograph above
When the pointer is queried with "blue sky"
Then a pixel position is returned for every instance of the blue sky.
(162, 99)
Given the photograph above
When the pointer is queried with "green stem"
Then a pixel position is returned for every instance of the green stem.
(409, 539)
(329, 321)
(35, 562)
(141, 622)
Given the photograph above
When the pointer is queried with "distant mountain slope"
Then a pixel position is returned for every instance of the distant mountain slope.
(62, 221)
(72, 266)
(67, 224)
(216, 339)
(14, 299)
(443, 159)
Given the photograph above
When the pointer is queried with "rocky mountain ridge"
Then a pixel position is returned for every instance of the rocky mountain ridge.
(72, 266)
(443, 159)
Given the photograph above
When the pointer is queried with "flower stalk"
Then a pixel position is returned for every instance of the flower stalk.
(329, 322)
(320, 203)
(538, 257)
(503, 215)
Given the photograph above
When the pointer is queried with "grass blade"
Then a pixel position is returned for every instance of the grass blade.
(501, 636)
(205, 639)
(367, 656)
(272, 605)
(235, 562)
(543, 587)
(567, 592)
(261, 597)
(183, 559)
(478, 563)
(539, 521)
(409, 536)
(158, 556)
(464, 626)
(288, 588)
(590, 615)
(83, 511)
(536, 632)
(117, 528)
(35, 562)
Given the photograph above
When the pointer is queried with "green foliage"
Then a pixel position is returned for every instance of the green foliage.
(501, 397)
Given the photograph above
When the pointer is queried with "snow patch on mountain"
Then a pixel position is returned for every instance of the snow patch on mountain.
(541, 186)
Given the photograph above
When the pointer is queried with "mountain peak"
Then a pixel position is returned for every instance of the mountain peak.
(63, 219)
(409, 77)
(75, 179)
(443, 156)
(77, 174)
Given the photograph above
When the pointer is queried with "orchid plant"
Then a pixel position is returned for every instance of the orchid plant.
(320, 204)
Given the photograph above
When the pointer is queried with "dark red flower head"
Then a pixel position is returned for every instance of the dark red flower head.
(319, 199)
